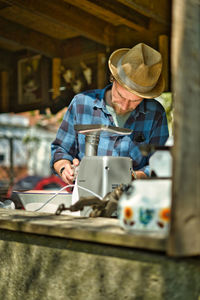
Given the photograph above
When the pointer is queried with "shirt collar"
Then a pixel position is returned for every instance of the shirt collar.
(141, 108)
(100, 98)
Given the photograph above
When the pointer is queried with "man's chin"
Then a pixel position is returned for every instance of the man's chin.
(120, 112)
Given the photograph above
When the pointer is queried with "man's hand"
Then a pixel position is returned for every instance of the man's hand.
(140, 175)
(65, 169)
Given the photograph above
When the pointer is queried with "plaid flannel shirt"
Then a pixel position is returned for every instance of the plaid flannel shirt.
(148, 123)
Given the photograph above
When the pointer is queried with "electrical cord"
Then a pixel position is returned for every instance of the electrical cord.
(69, 185)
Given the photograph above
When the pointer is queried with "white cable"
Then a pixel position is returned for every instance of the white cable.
(66, 186)
(89, 191)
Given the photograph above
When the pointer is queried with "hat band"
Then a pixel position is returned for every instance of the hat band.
(131, 84)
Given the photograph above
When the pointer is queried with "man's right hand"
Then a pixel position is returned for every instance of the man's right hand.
(65, 169)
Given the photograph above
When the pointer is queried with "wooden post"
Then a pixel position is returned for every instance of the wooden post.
(11, 156)
(184, 237)
(163, 44)
(4, 91)
(101, 70)
(56, 64)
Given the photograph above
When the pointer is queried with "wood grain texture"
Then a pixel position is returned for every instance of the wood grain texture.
(4, 91)
(29, 38)
(185, 238)
(98, 230)
(163, 45)
(69, 16)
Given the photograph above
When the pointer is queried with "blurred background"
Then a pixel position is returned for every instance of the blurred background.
(51, 50)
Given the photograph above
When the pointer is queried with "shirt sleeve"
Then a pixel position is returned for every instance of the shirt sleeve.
(65, 144)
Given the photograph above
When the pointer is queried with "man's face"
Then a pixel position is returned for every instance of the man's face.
(122, 100)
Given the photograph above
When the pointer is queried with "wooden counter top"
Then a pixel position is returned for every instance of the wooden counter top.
(98, 230)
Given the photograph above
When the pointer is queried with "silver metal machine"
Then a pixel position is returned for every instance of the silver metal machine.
(101, 174)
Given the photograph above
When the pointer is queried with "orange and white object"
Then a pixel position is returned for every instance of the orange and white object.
(145, 206)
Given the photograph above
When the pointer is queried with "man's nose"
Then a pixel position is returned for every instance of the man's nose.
(124, 104)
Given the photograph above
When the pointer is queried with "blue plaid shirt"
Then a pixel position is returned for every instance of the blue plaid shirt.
(148, 123)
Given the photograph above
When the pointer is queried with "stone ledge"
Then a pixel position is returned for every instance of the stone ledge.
(98, 230)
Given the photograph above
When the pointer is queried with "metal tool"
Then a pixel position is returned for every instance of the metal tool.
(101, 174)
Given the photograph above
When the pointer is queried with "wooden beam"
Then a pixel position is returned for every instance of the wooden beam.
(163, 46)
(4, 91)
(36, 22)
(56, 66)
(184, 237)
(158, 10)
(101, 70)
(79, 45)
(30, 39)
(116, 14)
(129, 38)
(3, 5)
(70, 16)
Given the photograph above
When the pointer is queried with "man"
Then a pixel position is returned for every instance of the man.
(127, 102)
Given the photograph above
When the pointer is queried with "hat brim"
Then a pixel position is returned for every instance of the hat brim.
(113, 62)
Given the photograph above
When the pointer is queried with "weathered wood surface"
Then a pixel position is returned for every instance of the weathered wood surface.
(71, 17)
(163, 45)
(101, 70)
(185, 223)
(157, 10)
(111, 24)
(29, 38)
(35, 21)
(56, 66)
(4, 91)
(98, 230)
(112, 12)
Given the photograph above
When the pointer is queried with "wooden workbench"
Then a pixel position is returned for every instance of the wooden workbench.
(100, 230)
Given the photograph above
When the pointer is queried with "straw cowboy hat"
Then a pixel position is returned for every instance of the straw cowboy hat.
(139, 70)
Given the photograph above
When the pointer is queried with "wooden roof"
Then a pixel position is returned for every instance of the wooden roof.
(54, 28)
